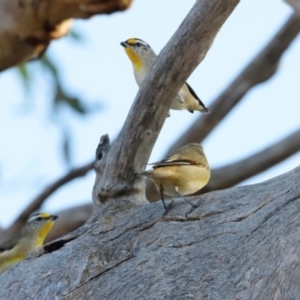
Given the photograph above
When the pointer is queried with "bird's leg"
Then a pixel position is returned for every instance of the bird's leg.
(167, 208)
(162, 196)
(189, 202)
(193, 208)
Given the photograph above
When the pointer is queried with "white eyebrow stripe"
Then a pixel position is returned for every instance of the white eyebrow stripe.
(33, 218)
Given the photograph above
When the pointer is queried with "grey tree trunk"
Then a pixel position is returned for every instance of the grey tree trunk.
(240, 243)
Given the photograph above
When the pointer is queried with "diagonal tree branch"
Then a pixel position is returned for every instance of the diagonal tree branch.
(260, 69)
(130, 152)
(235, 173)
(37, 202)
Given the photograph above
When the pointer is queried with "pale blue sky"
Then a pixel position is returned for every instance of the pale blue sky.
(99, 69)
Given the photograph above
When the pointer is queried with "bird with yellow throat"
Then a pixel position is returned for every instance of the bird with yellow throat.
(142, 58)
(31, 237)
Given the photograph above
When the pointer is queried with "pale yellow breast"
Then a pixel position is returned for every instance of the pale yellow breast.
(186, 179)
(10, 257)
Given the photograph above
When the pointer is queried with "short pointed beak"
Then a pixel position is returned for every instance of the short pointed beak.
(53, 217)
(123, 44)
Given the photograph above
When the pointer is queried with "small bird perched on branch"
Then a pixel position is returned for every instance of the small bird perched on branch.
(142, 57)
(184, 172)
(31, 237)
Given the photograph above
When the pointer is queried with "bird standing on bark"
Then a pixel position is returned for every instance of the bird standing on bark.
(184, 172)
(31, 237)
(142, 57)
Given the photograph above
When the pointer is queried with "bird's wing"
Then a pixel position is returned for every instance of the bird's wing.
(196, 97)
(179, 98)
(173, 160)
(8, 244)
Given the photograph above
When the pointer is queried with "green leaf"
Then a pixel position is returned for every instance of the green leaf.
(23, 71)
(73, 102)
(76, 36)
(66, 146)
(49, 65)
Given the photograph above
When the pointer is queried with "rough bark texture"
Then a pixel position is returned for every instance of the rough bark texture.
(240, 243)
(28, 26)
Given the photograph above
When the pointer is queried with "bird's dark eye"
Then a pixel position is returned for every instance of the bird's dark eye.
(138, 44)
(39, 219)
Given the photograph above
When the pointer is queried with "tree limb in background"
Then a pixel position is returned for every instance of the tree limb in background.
(260, 69)
(235, 173)
(28, 26)
(37, 202)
